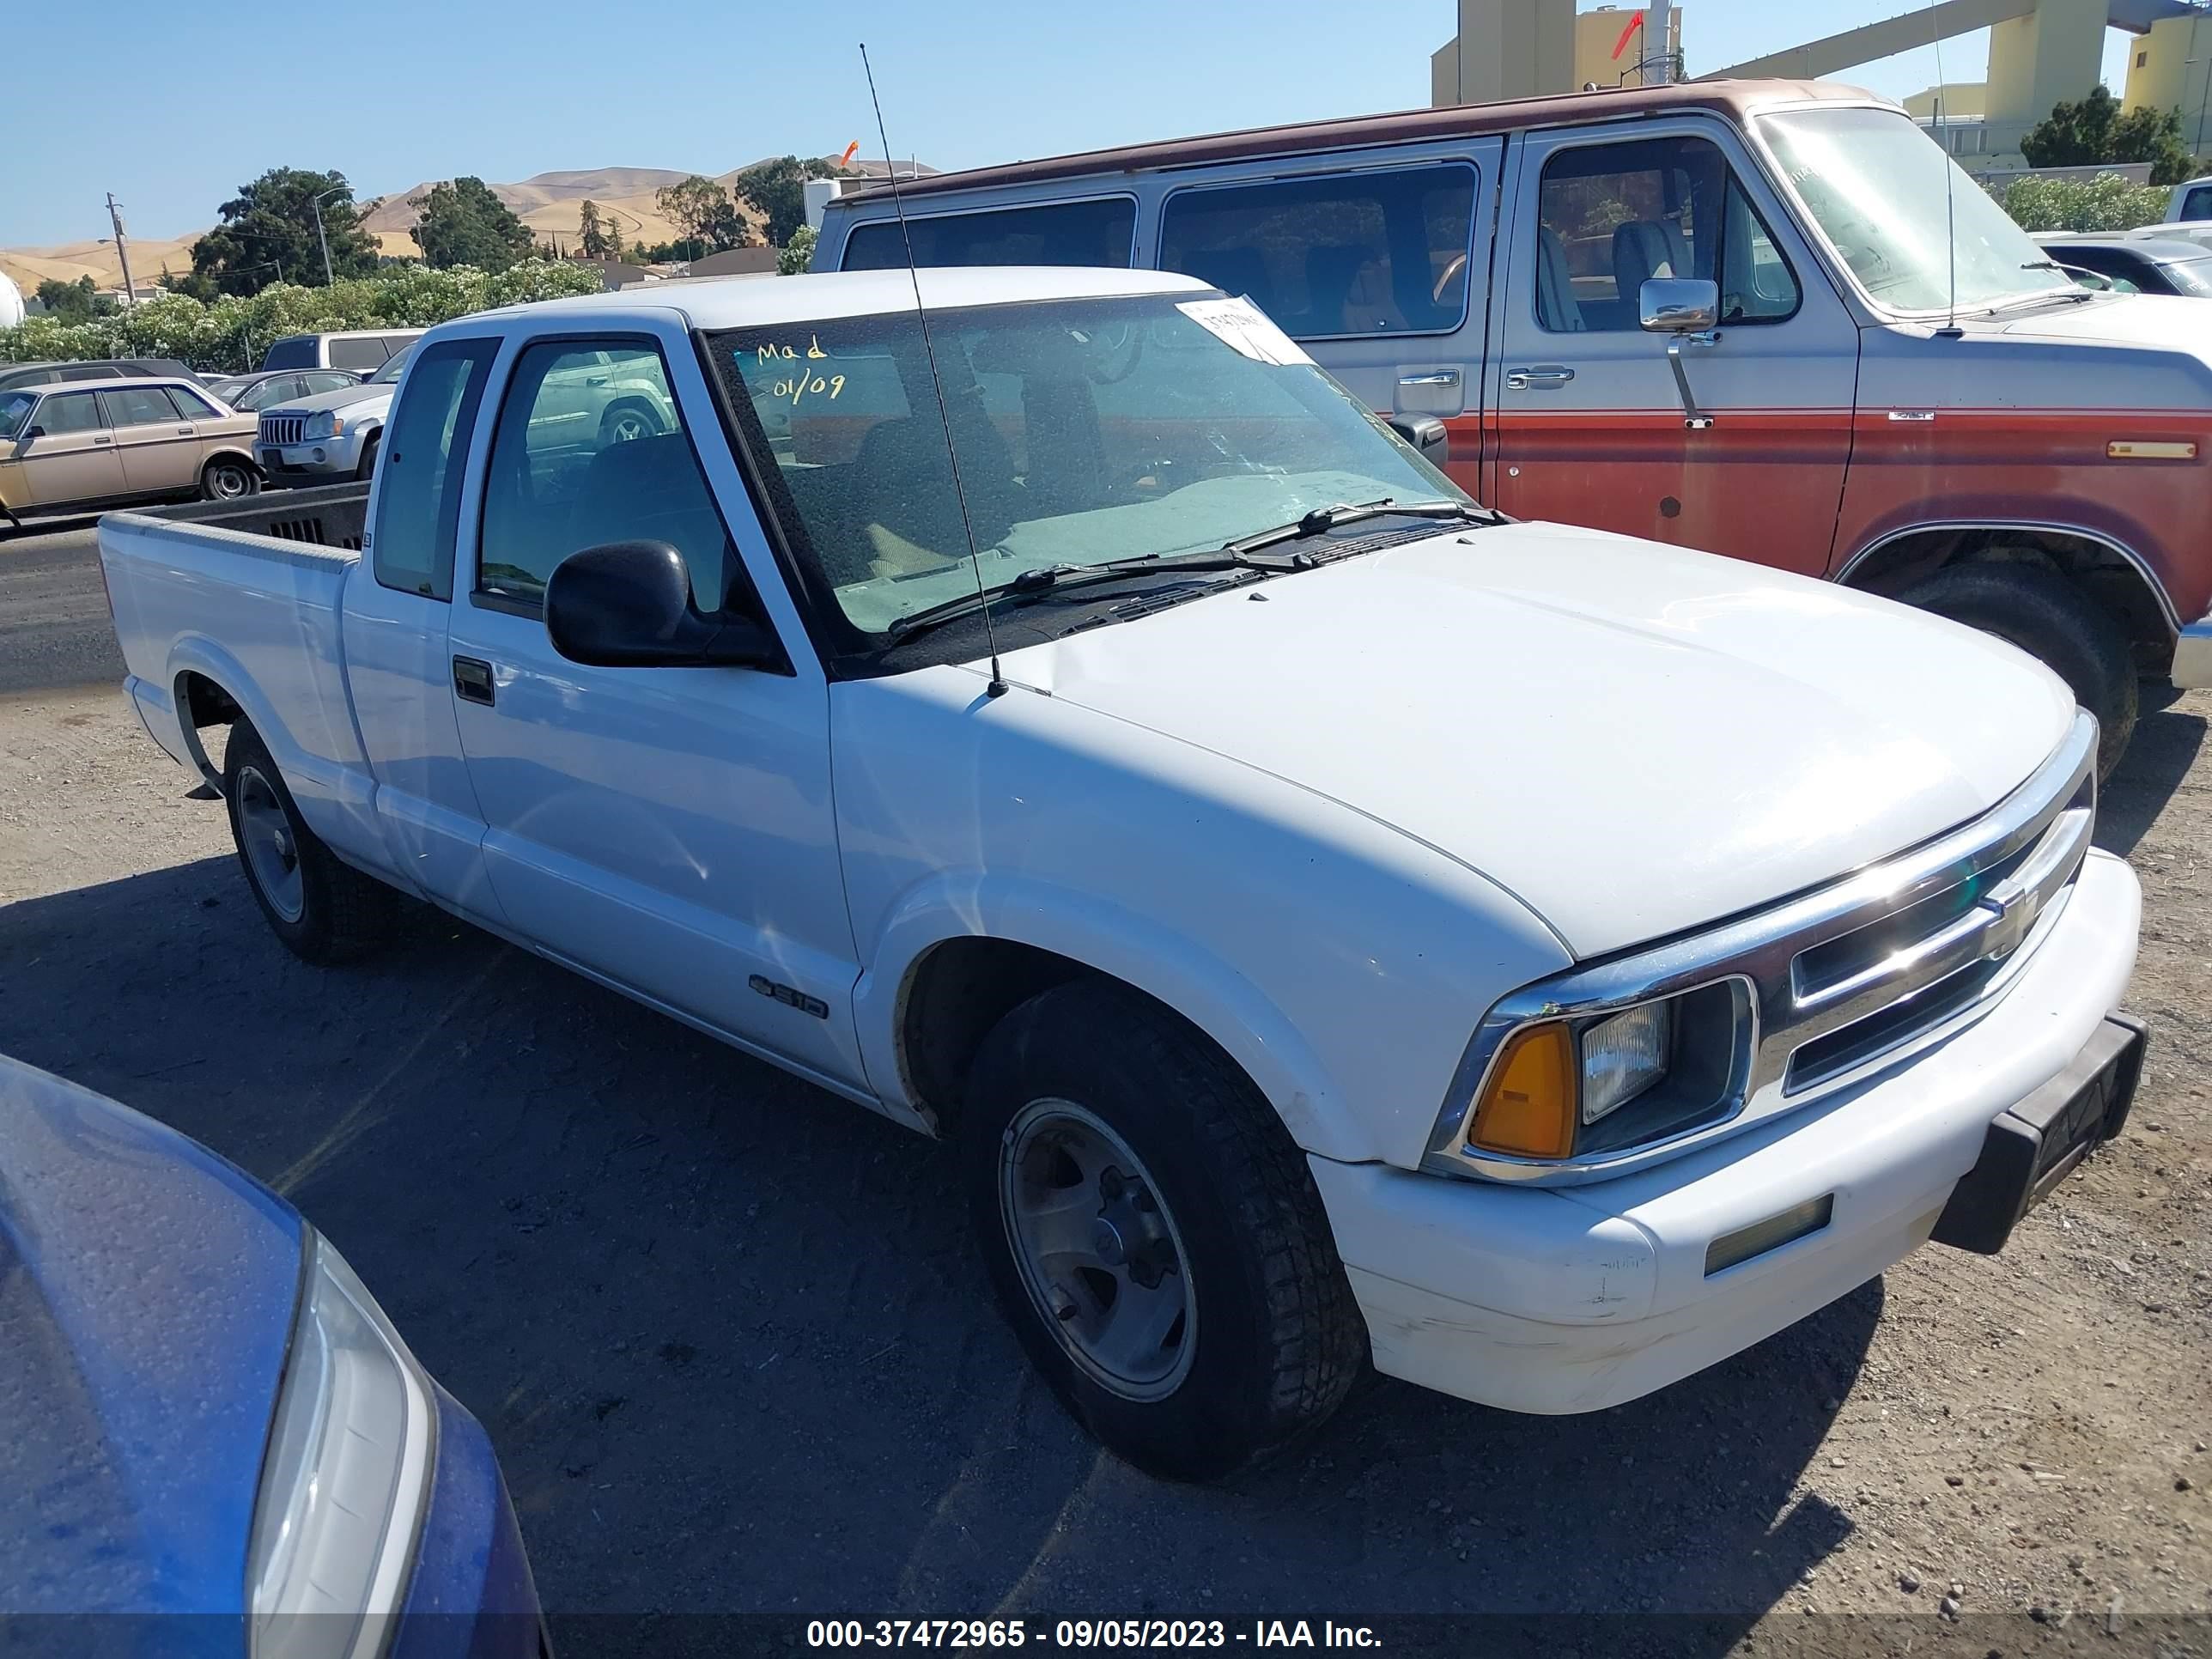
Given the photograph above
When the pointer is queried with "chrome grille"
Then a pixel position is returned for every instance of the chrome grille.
(281, 427)
(1843, 979)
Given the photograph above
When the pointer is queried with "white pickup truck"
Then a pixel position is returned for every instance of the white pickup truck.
(1330, 921)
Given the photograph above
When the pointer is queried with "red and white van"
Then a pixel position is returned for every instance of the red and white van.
(1770, 319)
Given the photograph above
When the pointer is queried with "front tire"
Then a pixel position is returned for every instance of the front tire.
(1153, 1234)
(2048, 617)
(324, 909)
(366, 469)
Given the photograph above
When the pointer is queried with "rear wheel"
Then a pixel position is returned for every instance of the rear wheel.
(226, 478)
(324, 909)
(1153, 1234)
(2048, 617)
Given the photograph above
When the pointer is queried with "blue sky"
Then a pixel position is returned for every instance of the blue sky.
(400, 91)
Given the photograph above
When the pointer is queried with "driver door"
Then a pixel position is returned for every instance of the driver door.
(1591, 428)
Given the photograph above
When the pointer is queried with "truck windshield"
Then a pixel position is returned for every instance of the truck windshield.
(1902, 213)
(15, 409)
(1086, 430)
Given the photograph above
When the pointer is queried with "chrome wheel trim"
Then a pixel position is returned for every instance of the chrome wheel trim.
(1087, 1227)
(273, 852)
(228, 482)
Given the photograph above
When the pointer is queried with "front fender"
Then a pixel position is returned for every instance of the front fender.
(1157, 960)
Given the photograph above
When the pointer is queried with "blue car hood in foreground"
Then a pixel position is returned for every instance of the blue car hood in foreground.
(146, 1291)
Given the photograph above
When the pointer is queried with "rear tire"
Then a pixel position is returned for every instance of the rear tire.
(1104, 1143)
(226, 478)
(2048, 617)
(324, 909)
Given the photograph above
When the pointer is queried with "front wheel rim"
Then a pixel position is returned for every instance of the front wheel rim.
(272, 850)
(228, 482)
(1097, 1250)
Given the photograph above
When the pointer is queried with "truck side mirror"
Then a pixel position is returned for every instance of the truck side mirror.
(1678, 305)
(628, 605)
(1426, 433)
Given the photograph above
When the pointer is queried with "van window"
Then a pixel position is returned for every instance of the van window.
(418, 495)
(1062, 233)
(292, 351)
(1355, 253)
(1609, 216)
(363, 352)
(2197, 205)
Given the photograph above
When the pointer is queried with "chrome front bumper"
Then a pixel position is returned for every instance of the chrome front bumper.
(2192, 656)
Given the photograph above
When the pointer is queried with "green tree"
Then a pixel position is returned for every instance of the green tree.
(2092, 130)
(776, 190)
(598, 238)
(272, 222)
(702, 210)
(797, 253)
(461, 222)
(73, 302)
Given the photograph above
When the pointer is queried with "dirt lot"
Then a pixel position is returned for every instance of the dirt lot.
(728, 1337)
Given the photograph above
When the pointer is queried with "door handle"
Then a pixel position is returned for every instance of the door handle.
(1540, 377)
(183, 432)
(472, 680)
(103, 440)
(1432, 377)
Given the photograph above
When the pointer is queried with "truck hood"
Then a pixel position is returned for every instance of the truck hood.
(344, 398)
(146, 1297)
(2127, 320)
(1634, 739)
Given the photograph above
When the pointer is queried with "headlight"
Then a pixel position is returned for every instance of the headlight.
(348, 1468)
(1556, 1087)
(326, 423)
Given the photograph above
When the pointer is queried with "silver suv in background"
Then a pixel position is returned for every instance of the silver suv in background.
(330, 436)
(363, 351)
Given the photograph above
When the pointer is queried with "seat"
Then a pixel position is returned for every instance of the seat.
(1643, 249)
(1347, 293)
(1557, 308)
(651, 489)
(1234, 271)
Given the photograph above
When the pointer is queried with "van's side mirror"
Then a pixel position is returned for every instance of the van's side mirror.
(1678, 305)
(628, 605)
(1426, 433)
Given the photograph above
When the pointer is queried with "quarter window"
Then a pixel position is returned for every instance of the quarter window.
(1060, 234)
(1611, 216)
(1354, 253)
(591, 448)
(365, 353)
(418, 501)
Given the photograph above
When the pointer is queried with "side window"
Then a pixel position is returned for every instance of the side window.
(2197, 205)
(292, 351)
(321, 380)
(591, 448)
(394, 343)
(91, 371)
(1380, 252)
(191, 406)
(365, 353)
(418, 491)
(69, 411)
(1611, 216)
(1062, 233)
(139, 405)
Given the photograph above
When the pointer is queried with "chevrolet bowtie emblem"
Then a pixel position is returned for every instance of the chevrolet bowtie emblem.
(2012, 918)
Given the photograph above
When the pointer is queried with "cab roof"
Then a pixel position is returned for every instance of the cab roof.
(772, 302)
(1735, 99)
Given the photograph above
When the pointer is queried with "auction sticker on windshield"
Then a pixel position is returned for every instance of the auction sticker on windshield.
(1240, 324)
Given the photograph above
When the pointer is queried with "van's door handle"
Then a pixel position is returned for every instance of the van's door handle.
(1432, 377)
(1540, 376)
(472, 680)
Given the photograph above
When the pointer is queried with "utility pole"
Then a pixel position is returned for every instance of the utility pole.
(322, 240)
(122, 253)
(1657, 20)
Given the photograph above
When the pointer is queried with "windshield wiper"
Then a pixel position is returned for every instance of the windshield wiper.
(1323, 519)
(1038, 580)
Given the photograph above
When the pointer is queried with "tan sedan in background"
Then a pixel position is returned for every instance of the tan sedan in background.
(70, 448)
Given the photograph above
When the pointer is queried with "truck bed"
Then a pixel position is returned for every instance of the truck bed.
(230, 607)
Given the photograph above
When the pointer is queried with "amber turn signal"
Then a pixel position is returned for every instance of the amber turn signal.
(1528, 1106)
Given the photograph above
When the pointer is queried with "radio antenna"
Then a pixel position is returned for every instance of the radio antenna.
(1950, 329)
(997, 685)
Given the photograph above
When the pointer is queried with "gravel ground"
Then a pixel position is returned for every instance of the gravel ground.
(728, 1337)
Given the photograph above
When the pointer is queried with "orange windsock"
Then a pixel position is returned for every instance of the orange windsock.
(852, 149)
(1634, 24)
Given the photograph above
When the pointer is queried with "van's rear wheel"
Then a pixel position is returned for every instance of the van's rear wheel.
(2048, 617)
(1153, 1234)
(226, 479)
(324, 909)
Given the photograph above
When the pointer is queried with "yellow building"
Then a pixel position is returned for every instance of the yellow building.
(1959, 101)
(2171, 68)
(1612, 45)
(1524, 46)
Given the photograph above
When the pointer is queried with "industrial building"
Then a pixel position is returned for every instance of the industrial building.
(2041, 52)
